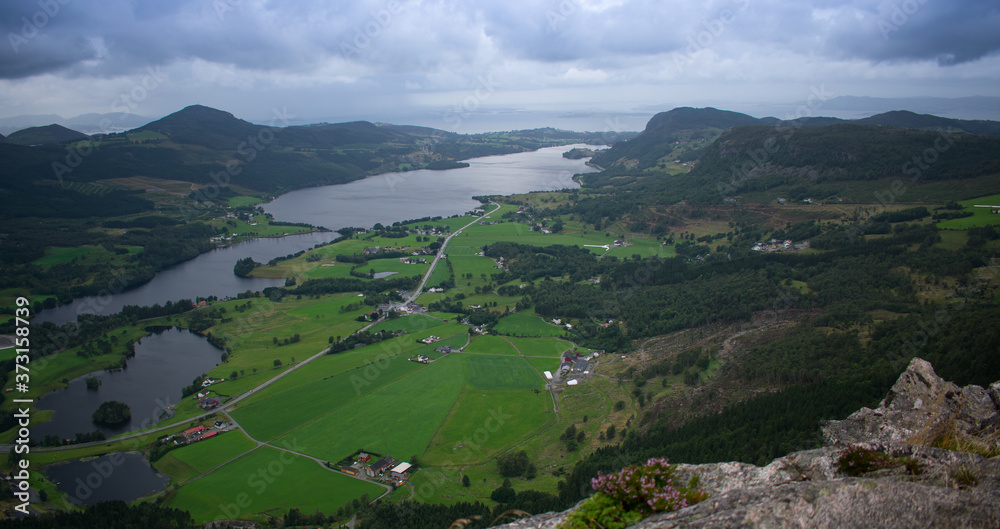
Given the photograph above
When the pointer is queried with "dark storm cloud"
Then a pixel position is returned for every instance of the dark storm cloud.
(950, 32)
(427, 37)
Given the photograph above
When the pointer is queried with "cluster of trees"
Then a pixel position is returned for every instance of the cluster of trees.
(112, 413)
(358, 338)
(244, 266)
(55, 440)
(516, 464)
(117, 514)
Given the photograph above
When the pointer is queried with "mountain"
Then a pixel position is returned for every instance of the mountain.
(911, 120)
(666, 130)
(203, 126)
(684, 133)
(818, 160)
(45, 135)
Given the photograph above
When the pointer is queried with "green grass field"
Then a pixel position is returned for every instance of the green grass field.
(206, 455)
(276, 414)
(544, 364)
(440, 274)
(399, 418)
(500, 372)
(495, 345)
(484, 422)
(980, 216)
(541, 346)
(411, 323)
(523, 325)
(268, 480)
(84, 255)
(238, 202)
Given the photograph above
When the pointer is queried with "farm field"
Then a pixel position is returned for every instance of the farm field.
(541, 346)
(275, 414)
(495, 345)
(265, 480)
(485, 422)
(188, 462)
(500, 372)
(524, 325)
(397, 418)
(980, 216)
(545, 364)
(411, 323)
(85, 256)
(263, 228)
(256, 335)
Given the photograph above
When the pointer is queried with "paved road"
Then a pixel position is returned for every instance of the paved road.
(430, 270)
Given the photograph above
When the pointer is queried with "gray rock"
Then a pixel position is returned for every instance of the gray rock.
(922, 408)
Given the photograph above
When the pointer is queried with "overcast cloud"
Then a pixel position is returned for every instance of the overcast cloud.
(322, 58)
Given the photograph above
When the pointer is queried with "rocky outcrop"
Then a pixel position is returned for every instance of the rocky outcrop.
(939, 487)
(921, 408)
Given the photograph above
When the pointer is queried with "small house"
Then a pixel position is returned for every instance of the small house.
(380, 467)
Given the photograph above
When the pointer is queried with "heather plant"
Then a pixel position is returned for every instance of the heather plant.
(625, 497)
(857, 460)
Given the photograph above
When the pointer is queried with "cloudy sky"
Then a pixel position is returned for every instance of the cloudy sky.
(447, 63)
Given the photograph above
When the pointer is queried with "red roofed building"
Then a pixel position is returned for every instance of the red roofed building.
(210, 435)
(196, 429)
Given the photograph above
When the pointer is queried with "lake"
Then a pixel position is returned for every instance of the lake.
(385, 199)
(164, 363)
(116, 476)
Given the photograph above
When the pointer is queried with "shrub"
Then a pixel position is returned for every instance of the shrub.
(858, 460)
(634, 492)
(600, 511)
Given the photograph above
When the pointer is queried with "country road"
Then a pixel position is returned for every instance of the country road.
(430, 270)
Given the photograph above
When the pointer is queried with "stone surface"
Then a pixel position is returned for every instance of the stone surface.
(922, 408)
(806, 489)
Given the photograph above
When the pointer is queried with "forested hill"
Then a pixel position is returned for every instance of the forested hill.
(45, 135)
(683, 133)
(820, 160)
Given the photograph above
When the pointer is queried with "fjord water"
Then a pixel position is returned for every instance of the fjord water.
(395, 197)
(164, 362)
(385, 198)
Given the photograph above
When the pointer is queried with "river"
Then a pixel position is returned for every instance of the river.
(385, 199)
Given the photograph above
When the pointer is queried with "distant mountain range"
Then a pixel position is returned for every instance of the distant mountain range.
(975, 105)
(205, 146)
(88, 123)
